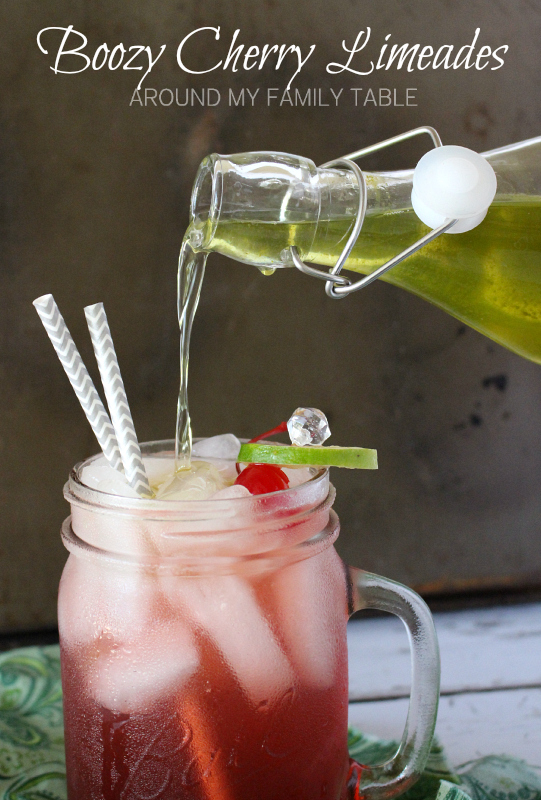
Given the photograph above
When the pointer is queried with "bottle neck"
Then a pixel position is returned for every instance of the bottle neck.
(253, 206)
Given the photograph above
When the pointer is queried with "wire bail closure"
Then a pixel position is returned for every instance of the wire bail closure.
(337, 286)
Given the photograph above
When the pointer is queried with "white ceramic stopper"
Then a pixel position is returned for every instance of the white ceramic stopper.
(452, 182)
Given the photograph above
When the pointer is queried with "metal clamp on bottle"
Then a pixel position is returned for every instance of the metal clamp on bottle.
(453, 188)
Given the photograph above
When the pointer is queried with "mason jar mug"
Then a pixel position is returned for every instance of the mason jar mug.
(204, 653)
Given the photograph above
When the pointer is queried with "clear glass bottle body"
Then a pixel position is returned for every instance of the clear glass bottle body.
(489, 278)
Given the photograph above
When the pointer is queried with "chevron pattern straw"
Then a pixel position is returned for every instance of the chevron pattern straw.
(81, 381)
(116, 399)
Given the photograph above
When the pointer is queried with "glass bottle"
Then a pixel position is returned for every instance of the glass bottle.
(254, 206)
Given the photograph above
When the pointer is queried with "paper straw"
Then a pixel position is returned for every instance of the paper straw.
(116, 399)
(79, 378)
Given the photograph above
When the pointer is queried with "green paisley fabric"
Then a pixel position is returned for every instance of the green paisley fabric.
(32, 744)
(32, 763)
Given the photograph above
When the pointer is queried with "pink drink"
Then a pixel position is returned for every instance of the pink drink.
(204, 647)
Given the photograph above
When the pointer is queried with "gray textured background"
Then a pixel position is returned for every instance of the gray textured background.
(93, 203)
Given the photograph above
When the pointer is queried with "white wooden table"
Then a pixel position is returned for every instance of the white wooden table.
(490, 683)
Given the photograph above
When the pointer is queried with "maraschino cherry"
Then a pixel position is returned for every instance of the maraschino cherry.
(264, 478)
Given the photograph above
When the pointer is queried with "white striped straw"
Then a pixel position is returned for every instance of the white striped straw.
(116, 399)
(81, 381)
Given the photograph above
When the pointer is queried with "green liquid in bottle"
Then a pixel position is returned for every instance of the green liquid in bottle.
(489, 278)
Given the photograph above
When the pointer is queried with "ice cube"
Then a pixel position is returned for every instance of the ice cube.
(231, 493)
(309, 599)
(227, 469)
(126, 677)
(308, 426)
(95, 598)
(104, 478)
(297, 475)
(78, 605)
(159, 468)
(200, 482)
(226, 446)
(110, 617)
(225, 607)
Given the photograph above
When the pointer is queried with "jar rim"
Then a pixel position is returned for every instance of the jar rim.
(77, 493)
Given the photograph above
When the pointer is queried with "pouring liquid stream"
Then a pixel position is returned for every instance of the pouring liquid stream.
(191, 270)
(489, 278)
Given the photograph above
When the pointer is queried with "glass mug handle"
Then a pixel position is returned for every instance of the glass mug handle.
(396, 775)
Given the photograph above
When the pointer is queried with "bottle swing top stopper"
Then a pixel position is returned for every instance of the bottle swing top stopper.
(453, 188)
(452, 182)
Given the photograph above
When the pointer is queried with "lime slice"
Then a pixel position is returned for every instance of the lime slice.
(283, 454)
